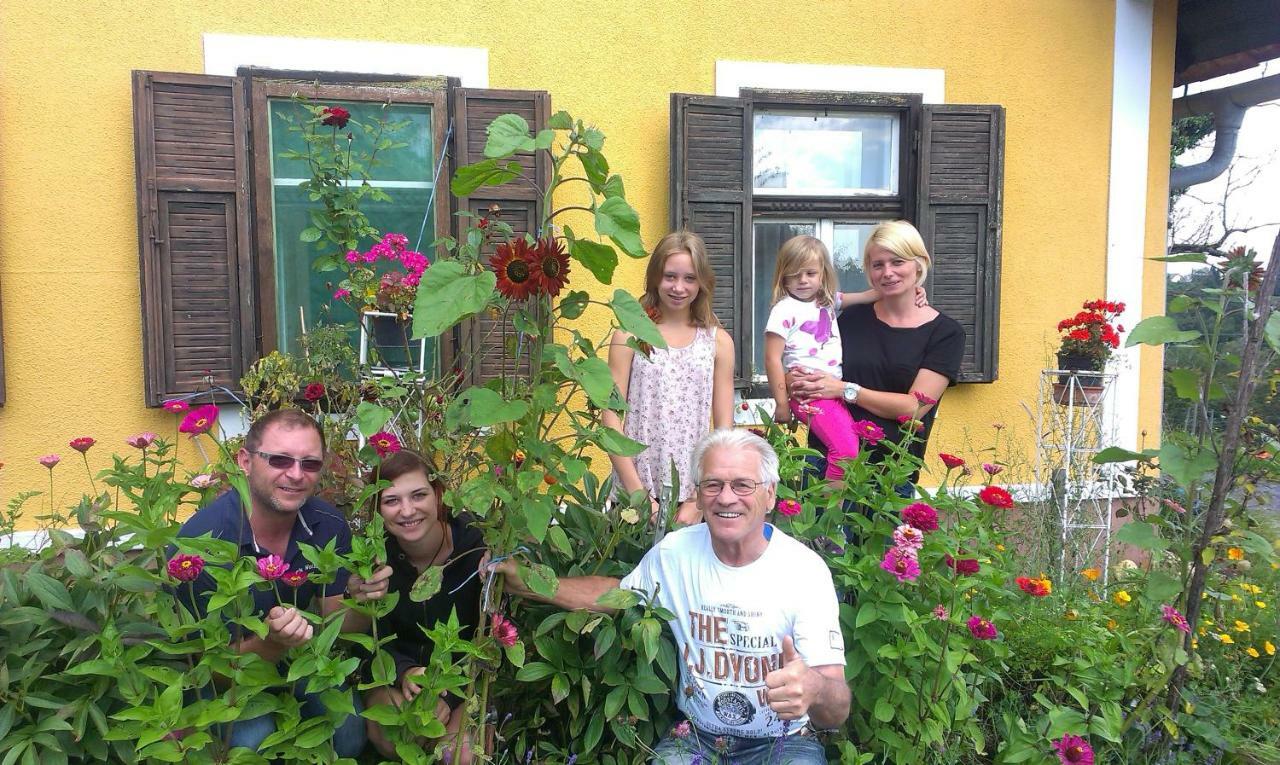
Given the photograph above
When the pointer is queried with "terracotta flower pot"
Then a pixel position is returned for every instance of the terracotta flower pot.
(1082, 395)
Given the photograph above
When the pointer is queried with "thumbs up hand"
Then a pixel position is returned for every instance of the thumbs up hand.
(793, 686)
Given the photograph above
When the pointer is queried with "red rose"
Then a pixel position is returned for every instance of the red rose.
(335, 116)
(314, 391)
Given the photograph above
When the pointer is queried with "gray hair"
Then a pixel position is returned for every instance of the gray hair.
(731, 438)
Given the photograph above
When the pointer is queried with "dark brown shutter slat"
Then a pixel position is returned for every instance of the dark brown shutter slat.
(960, 209)
(488, 341)
(190, 137)
(711, 181)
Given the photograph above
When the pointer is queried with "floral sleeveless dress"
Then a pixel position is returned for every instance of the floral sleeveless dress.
(670, 401)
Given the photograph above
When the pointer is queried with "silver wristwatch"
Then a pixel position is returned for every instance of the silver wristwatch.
(851, 391)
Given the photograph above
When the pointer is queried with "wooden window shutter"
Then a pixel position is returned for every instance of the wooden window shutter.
(960, 195)
(711, 182)
(486, 341)
(190, 138)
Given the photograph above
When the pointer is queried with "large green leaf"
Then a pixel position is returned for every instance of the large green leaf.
(448, 294)
(482, 407)
(1161, 588)
(596, 379)
(574, 304)
(600, 259)
(486, 172)
(1158, 330)
(1183, 257)
(370, 418)
(596, 167)
(618, 220)
(1185, 382)
(1185, 466)
(1117, 454)
(507, 134)
(427, 584)
(633, 319)
(616, 443)
(1141, 534)
(1272, 331)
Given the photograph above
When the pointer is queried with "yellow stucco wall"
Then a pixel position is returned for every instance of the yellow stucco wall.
(68, 246)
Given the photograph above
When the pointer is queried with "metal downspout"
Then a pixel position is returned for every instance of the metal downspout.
(1227, 105)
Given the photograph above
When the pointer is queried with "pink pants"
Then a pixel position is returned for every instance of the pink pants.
(833, 425)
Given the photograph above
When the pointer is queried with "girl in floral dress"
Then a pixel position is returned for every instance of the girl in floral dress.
(675, 394)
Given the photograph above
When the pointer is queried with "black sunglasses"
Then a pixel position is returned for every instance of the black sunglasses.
(285, 462)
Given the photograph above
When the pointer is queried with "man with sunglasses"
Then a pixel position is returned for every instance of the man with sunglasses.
(283, 458)
(756, 617)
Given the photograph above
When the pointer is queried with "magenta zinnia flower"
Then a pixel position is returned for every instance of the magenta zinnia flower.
(504, 631)
(921, 516)
(384, 443)
(981, 628)
(49, 460)
(991, 469)
(1175, 617)
(184, 567)
(142, 440)
(908, 537)
(963, 565)
(901, 563)
(1073, 750)
(295, 578)
(176, 406)
(272, 567)
(789, 507)
(996, 497)
(940, 612)
(924, 399)
(199, 420)
(868, 431)
(82, 444)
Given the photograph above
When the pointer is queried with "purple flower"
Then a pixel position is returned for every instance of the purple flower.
(901, 563)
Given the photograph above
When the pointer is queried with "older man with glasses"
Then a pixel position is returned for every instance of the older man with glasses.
(756, 617)
(283, 458)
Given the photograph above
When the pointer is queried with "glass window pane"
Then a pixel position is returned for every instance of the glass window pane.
(768, 237)
(403, 172)
(842, 154)
(849, 240)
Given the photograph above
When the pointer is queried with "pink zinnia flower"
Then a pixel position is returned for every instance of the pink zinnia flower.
(1073, 750)
(82, 444)
(295, 578)
(868, 431)
(49, 460)
(996, 497)
(272, 567)
(923, 399)
(203, 481)
(940, 612)
(950, 460)
(342, 294)
(908, 537)
(965, 566)
(991, 469)
(789, 507)
(176, 406)
(981, 628)
(184, 567)
(142, 440)
(199, 420)
(901, 563)
(921, 516)
(1175, 617)
(504, 631)
(384, 443)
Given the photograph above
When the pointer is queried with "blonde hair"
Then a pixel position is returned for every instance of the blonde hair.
(902, 239)
(798, 252)
(688, 242)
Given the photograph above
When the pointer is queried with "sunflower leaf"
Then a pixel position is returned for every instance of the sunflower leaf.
(600, 259)
(449, 294)
(484, 173)
(618, 220)
(507, 134)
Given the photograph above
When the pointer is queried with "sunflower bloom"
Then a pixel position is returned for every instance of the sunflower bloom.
(515, 276)
(549, 266)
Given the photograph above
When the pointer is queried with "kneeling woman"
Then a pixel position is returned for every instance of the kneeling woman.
(421, 533)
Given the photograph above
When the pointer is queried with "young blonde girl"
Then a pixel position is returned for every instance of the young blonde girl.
(802, 332)
(675, 394)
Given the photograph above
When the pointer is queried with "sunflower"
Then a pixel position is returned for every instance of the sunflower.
(550, 265)
(515, 277)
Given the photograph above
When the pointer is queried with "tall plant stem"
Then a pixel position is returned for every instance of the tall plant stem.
(1224, 476)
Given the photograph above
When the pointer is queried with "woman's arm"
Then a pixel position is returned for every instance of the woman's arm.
(620, 358)
(722, 382)
(808, 385)
(870, 296)
(773, 370)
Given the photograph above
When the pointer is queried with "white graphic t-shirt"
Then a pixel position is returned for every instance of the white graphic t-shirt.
(730, 622)
(810, 335)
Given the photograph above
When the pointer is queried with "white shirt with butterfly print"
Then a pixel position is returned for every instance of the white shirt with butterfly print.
(811, 337)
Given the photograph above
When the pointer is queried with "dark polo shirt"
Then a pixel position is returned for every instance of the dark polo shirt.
(317, 523)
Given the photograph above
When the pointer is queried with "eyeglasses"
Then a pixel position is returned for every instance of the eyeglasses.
(741, 486)
(285, 462)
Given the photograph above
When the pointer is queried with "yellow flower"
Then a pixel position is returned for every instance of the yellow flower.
(1241, 626)
(1270, 649)
(1236, 598)
(1091, 574)
(1194, 644)
(1112, 624)
(1275, 566)
(999, 548)
(1203, 631)
(1235, 553)
(1121, 598)
(1071, 615)
(630, 515)
(1260, 603)
(1252, 652)
(1225, 638)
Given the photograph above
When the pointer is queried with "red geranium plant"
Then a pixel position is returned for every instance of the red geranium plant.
(1092, 333)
